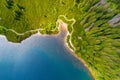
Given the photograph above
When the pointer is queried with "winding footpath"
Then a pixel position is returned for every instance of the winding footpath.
(21, 34)
(59, 21)
(73, 22)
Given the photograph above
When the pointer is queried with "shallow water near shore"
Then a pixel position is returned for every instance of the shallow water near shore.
(40, 58)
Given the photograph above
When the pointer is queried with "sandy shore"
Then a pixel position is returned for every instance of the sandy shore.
(63, 27)
(81, 60)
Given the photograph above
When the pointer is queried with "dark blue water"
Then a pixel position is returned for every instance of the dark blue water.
(39, 58)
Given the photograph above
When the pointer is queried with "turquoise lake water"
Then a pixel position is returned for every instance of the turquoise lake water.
(39, 58)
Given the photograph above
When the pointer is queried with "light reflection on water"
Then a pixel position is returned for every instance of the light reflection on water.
(39, 58)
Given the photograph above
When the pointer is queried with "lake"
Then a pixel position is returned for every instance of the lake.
(40, 57)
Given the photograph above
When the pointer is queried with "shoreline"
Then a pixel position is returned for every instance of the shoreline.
(64, 25)
(81, 60)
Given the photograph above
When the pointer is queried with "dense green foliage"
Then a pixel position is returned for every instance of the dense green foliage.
(100, 44)
(95, 38)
